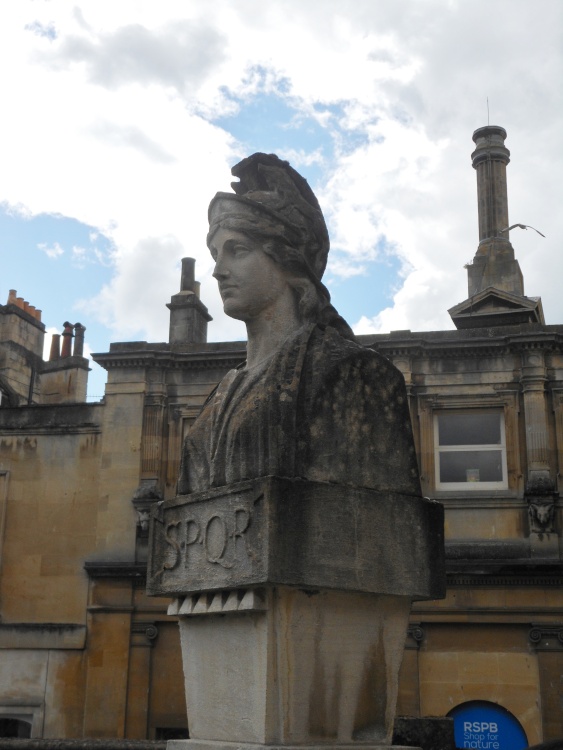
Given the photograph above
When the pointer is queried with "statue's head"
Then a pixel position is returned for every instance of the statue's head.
(275, 207)
(276, 210)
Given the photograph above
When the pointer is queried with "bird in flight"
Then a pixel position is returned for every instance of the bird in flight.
(522, 226)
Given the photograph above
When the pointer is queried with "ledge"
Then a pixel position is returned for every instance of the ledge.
(499, 572)
(111, 569)
(48, 635)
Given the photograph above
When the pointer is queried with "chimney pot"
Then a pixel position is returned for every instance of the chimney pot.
(55, 352)
(188, 275)
(67, 340)
(78, 350)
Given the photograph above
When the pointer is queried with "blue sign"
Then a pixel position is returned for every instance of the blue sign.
(480, 725)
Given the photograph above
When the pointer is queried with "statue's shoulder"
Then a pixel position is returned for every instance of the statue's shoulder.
(341, 353)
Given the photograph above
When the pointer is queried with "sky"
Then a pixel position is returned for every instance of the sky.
(120, 121)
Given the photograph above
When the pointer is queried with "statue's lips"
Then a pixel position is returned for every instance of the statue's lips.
(224, 290)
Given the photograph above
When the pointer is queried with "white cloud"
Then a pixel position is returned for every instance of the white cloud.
(112, 111)
(53, 251)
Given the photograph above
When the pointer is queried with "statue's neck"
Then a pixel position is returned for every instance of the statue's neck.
(267, 333)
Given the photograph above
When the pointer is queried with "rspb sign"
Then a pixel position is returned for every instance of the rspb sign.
(481, 725)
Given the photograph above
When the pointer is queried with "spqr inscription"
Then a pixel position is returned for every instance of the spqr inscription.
(196, 538)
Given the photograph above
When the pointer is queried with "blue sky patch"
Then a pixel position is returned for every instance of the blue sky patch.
(50, 258)
(367, 293)
(69, 257)
(271, 124)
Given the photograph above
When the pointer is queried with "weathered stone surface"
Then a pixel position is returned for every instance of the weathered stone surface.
(428, 732)
(549, 745)
(297, 533)
(311, 667)
(309, 402)
(8, 743)
(299, 537)
(207, 745)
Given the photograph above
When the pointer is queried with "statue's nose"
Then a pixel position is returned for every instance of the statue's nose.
(221, 270)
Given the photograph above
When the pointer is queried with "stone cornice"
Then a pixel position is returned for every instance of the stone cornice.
(11, 309)
(460, 574)
(418, 345)
(115, 569)
(51, 419)
(432, 345)
(64, 363)
(42, 635)
(59, 429)
(171, 360)
(504, 573)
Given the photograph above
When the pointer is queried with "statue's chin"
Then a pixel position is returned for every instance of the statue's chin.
(235, 311)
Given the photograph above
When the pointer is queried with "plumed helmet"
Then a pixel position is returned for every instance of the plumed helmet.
(273, 201)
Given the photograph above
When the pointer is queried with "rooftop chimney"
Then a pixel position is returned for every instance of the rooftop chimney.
(494, 264)
(55, 352)
(188, 275)
(79, 330)
(188, 315)
(23, 304)
(496, 287)
(66, 350)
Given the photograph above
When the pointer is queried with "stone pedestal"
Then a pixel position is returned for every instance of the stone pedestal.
(302, 668)
(293, 599)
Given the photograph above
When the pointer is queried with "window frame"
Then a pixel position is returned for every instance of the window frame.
(439, 449)
(31, 713)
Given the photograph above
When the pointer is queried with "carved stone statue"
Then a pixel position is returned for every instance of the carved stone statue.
(299, 537)
(309, 402)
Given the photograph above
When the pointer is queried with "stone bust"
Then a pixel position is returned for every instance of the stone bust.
(309, 402)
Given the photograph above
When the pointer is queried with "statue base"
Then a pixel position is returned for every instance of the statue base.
(293, 604)
(301, 667)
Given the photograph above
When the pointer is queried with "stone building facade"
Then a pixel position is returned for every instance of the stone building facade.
(83, 651)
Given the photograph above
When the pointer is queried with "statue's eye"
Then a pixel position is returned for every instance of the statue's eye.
(240, 249)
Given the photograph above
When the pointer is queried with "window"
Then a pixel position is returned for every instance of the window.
(15, 728)
(470, 450)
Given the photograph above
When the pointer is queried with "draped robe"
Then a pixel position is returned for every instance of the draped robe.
(321, 408)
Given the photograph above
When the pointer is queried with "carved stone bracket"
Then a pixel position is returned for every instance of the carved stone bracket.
(143, 633)
(146, 495)
(547, 637)
(415, 636)
(541, 497)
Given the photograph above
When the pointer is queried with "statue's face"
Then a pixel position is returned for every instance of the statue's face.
(250, 282)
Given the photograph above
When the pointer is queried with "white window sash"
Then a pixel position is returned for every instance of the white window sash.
(484, 447)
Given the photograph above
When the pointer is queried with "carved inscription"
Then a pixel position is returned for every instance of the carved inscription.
(199, 540)
(217, 535)
(274, 531)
